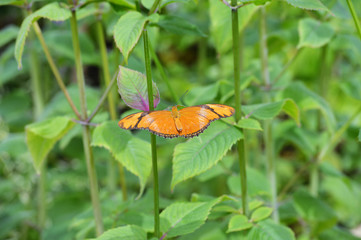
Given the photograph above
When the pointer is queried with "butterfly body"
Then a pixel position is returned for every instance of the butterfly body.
(187, 122)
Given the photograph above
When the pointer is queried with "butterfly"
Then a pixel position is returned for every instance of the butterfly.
(187, 122)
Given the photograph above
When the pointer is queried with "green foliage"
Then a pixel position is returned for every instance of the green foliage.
(178, 25)
(42, 136)
(261, 214)
(7, 34)
(201, 95)
(132, 152)
(52, 11)
(239, 223)
(249, 123)
(308, 4)
(313, 33)
(199, 154)
(182, 218)
(268, 230)
(129, 232)
(270, 110)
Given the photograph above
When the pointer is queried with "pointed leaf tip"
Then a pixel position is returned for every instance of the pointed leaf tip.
(132, 87)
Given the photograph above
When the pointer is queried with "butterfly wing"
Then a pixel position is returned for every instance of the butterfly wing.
(160, 123)
(197, 118)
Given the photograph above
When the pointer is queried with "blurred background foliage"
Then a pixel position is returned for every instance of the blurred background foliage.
(195, 50)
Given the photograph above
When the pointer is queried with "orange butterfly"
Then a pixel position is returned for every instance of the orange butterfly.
(187, 122)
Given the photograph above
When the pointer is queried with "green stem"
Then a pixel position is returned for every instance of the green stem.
(54, 69)
(268, 135)
(354, 16)
(152, 136)
(288, 64)
(154, 7)
(237, 96)
(42, 197)
(163, 75)
(112, 109)
(86, 131)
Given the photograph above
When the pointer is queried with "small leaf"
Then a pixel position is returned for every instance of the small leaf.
(127, 32)
(261, 213)
(178, 25)
(270, 110)
(52, 11)
(201, 94)
(308, 4)
(132, 152)
(269, 230)
(42, 136)
(249, 123)
(129, 232)
(183, 218)
(200, 154)
(238, 223)
(132, 87)
(314, 33)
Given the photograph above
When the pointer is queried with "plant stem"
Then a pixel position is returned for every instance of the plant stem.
(354, 16)
(268, 135)
(54, 69)
(112, 109)
(162, 73)
(152, 136)
(86, 131)
(288, 64)
(237, 96)
(153, 9)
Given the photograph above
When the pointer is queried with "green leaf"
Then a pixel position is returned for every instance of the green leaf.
(359, 135)
(315, 212)
(261, 213)
(337, 234)
(178, 25)
(127, 32)
(308, 4)
(249, 123)
(270, 110)
(7, 34)
(314, 33)
(52, 11)
(129, 232)
(238, 223)
(306, 100)
(12, 2)
(221, 25)
(269, 230)
(201, 94)
(183, 218)
(42, 136)
(200, 154)
(132, 152)
(149, 3)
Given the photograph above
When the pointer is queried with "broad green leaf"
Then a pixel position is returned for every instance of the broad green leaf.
(178, 25)
(308, 4)
(121, 5)
(221, 25)
(238, 223)
(315, 212)
(42, 136)
(7, 34)
(257, 183)
(132, 87)
(314, 33)
(201, 94)
(249, 123)
(127, 32)
(129, 232)
(183, 218)
(306, 100)
(132, 152)
(200, 154)
(269, 230)
(52, 11)
(261, 213)
(270, 110)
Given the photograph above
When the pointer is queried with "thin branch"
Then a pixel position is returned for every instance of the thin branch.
(102, 99)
